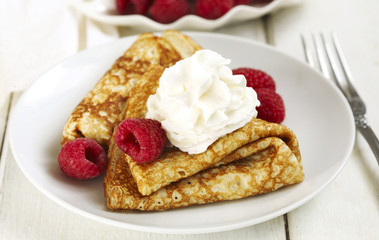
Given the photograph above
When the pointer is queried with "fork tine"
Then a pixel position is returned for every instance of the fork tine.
(307, 52)
(320, 56)
(333, 63)
(345, 67)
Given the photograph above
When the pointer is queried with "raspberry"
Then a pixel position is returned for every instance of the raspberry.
(272, 106)
(82, 158)
(167, 11)
(132, 6)
(256, 78)
(142, 139)
(212, 9)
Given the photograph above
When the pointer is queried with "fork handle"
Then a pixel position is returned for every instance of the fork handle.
(371, 139)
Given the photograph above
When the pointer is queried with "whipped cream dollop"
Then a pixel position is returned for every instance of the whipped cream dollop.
(199, 100)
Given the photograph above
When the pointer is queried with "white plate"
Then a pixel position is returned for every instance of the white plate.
(316, 111)
(104, 11)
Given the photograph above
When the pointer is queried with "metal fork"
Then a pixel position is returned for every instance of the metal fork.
(326, 50)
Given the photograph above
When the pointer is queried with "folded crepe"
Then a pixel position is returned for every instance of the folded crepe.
(97, 114)
(257, 158)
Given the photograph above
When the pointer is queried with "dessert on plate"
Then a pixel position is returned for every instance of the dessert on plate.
(182, 105)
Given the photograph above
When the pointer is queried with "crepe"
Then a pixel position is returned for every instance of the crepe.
(257, 158)
(262, 172)
(97, 114)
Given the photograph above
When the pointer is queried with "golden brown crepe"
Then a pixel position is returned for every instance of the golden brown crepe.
(96, 115)
(257, 158)
(262, 172)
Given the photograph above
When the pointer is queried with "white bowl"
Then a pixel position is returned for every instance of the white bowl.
(104, 11)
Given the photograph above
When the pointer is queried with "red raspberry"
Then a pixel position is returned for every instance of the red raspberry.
(132, 6)
(82, 158)
(272, 105)
(142, 139)
(256, 78)
(212, 9)
(241, 2)
(167, 11)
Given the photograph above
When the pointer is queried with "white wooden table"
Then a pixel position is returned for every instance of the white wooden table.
(348, 208)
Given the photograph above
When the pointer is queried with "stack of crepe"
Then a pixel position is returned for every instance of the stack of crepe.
(258, 158)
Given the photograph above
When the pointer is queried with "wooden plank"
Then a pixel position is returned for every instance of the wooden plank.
(4, 116)
(347, 207)
(4, 112)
